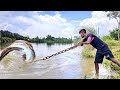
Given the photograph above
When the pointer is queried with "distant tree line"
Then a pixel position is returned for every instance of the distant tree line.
(50, 39)
(7, 36)
(13, 35)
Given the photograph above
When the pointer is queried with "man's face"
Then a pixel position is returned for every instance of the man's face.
(82, 34)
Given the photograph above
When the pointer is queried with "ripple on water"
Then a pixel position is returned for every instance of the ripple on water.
(68, 65)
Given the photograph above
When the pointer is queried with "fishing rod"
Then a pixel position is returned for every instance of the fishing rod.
(63, 51)
(30, 54)
(60, 52)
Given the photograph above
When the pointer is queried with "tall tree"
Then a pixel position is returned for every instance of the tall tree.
(116, 15)
(49, 37)
(114, 34)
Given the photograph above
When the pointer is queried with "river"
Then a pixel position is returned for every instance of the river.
(68, 65)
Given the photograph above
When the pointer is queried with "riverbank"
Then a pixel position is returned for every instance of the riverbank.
(6, 40)
(7, 36)
(114, 45)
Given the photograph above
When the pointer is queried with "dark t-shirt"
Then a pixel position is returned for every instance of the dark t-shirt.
(96, 43)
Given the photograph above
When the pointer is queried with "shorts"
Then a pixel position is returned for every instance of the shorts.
(100, 55)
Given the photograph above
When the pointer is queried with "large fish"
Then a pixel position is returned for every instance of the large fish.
(20, 45)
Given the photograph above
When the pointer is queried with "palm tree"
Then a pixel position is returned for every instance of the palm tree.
(116, 15)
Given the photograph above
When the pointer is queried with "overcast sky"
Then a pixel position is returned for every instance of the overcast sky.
(56, 23)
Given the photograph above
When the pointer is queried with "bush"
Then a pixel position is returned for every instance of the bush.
(88, 52)
(6, 40)
(110, 41)
(115, 48)
(105, 38)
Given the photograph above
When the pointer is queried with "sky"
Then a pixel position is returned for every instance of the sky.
(56, 23)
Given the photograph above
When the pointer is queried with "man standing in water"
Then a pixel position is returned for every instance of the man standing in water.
(102, 48)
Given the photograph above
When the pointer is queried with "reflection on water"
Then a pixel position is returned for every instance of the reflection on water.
(68, 65)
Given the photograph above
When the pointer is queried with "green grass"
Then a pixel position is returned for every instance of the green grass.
(115, 48)
(89, 51)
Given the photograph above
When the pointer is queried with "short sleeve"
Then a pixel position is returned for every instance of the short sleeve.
(85, 39)
(89, 35)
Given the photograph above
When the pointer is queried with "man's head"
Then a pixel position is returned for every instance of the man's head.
(82, 32)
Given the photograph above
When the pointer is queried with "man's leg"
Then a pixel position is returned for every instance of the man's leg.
(98, 59)
(115, 61)
(97, 68)
(110, 56)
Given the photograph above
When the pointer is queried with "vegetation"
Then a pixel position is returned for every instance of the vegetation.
(50, 40)
(6, 40)
(88, 52)
(115, 48)
(12, 35)
(114, 34)
(114, 44)
(7, 36)
(115, 15)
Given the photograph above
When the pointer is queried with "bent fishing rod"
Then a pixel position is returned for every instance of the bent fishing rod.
(60, 52)
(16, 46)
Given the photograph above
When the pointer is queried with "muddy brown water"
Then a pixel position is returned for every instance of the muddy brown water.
(68, 65)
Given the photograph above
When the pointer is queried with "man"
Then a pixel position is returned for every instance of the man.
(102, 48)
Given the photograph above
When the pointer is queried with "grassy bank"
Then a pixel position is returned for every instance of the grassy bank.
(114, 45)
(6, 40)
(115, 48)
(89, 51)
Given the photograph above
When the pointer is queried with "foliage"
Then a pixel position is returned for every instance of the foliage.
(114, 33)
(9, 36)
(105, 38)
(12, 35)
(115, 15)
(88, 52)
(115, 48)
(49, 39)
(6, 40)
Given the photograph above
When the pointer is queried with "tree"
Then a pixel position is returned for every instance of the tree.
(115, 15)
(49, 37)
(37, 39)
(113, 33)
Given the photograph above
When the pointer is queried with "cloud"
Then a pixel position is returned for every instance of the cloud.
(53, 25)
(35, 24)
(100, 20)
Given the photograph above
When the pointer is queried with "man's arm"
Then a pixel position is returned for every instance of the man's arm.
(79, 43)
(89, 40)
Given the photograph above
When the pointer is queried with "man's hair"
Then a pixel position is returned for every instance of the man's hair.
(82, 30)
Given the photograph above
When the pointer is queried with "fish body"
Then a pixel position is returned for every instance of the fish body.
(22, 46)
